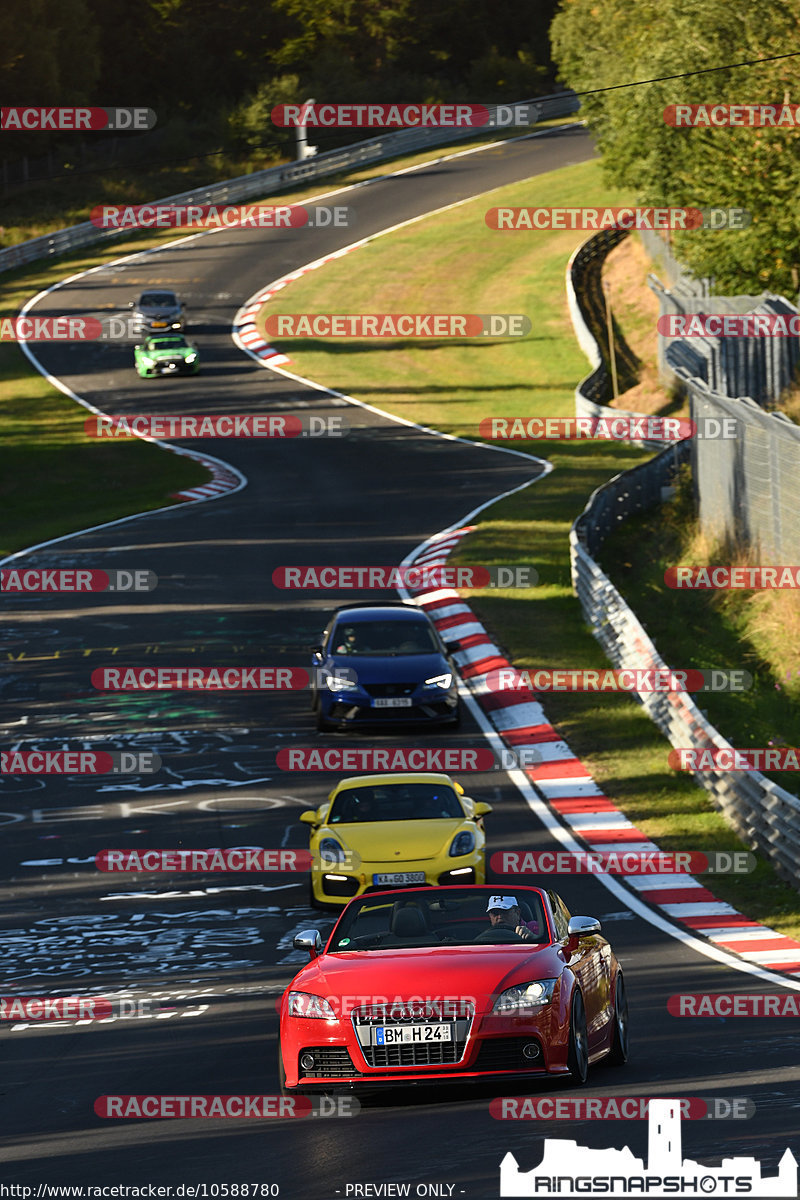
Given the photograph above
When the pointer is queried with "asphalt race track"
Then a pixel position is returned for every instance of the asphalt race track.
(204, 957)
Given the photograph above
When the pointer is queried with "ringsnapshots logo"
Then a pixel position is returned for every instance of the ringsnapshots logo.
(440, 326)
(12, 579)
(727, 116)
(730, 578)
(75, 120)
(622, 862)
(570, 1170)
(401, 116)
(617, 679)
(186, 426)
(78, 762)
(596, 219)
(222, 216)
(421, 578)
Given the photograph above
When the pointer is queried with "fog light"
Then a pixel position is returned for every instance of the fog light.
(532, 1050)
(307, 1062)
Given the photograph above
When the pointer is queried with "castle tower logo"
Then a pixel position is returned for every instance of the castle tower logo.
(568, 1169)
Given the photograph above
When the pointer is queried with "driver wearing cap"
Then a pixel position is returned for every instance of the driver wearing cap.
(505, 911)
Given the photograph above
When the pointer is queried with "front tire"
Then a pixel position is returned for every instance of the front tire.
(619, 1046)
(578, 1053)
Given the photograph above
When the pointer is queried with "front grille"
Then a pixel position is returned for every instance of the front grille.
(432, 1054)
(383, 690)
(331, 1062)
(505, 1054)
(414, 1054)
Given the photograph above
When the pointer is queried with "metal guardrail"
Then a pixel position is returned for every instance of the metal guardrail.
(586, 304)
(765, 816)
(274, 179)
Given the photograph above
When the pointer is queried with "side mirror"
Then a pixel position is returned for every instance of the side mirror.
(579, 927)
(452, 647)
(131, 304)
(482, 809)
(310, 940)
(317, 654)
(310, 817)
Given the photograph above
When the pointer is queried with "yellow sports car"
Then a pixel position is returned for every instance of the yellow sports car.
(389, 831)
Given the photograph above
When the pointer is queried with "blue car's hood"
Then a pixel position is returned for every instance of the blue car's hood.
(405, 668)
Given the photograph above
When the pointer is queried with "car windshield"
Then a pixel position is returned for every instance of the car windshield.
(440, 917)
(174, 343)
(158, 300)
(383, 638)
(395, 802)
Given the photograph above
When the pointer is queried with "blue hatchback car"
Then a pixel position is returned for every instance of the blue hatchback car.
(383, 664)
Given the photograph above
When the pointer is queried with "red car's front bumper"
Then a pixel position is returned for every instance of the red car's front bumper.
(495, 1047)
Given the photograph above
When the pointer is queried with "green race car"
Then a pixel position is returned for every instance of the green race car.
(166, 354)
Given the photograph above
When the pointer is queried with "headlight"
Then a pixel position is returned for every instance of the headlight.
(335, 683)
(147, 362)
(330, 851)
(304, 1004)
(190, 358)
(442, 681)
(526, 996)
(463, 843)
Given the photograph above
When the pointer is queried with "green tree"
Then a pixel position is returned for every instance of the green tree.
(750, 168)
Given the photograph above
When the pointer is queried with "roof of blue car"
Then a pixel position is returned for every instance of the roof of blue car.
(383, 612)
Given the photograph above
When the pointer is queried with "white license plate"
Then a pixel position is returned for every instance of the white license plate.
(392, 702)
(389, 1035)
(400, 877)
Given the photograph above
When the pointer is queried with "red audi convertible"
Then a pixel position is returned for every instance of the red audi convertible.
(420, 985)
